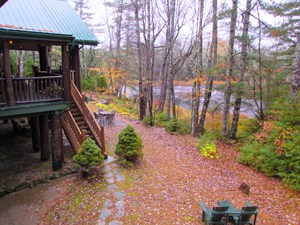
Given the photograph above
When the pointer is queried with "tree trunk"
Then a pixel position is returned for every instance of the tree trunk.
(211, 63)
(229, 70)
(142, 102)
(196, 91)
(238, 100)
(296, 69)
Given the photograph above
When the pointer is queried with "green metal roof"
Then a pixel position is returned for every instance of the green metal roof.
(45, 17)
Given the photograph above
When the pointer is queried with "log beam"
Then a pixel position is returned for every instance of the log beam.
(8, 75)
(45, 144)
(56, 142)
(75, 65)
(35, 133)
(66, 72)
(44, 58)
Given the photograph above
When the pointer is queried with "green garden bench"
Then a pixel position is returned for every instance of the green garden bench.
(213, 216)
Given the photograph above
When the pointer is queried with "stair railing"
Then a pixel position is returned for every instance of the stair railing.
(88, 118)
(72, 131)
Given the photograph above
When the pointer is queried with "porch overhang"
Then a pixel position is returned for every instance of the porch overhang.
(35, 36)
(33, 109)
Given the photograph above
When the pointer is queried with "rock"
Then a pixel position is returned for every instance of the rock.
(108, 204)
(21, 186)
(245, 188)
(43, 180)
(120, 177)
(52, 176)
(9, 189)
(2, 193)
(32, 183)
(112, 187)
(119, 195)
(105, 213)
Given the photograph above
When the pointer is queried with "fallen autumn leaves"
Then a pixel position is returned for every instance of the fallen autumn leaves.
(166, 186)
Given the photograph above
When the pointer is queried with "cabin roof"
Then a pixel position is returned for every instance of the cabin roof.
(45, 19)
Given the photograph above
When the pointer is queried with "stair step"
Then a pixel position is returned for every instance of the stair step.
(78, 119)
(76, 114)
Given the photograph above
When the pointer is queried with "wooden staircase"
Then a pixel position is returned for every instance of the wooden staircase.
(79, 123)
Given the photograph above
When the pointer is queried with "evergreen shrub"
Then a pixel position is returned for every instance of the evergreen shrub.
(247, 127)
(146, 120)
(102, 82)
(175, 125)
(129, 146)
(88, 84)
(88, 155)
(160, 118)
(276, 153)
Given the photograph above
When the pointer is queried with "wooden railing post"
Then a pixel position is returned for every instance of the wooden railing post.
(103, 151)
(83, 107)
(83, 135)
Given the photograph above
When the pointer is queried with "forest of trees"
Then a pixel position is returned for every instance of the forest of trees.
(248, 50)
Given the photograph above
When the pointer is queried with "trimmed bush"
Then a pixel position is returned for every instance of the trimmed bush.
(129, 146)
(88, 155)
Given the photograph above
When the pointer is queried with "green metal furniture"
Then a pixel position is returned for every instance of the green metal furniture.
(213, 216)
(240, 217)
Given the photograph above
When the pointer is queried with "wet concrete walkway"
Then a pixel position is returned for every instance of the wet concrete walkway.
(113, 208)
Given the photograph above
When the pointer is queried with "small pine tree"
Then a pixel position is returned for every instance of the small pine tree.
(88, 155)
(129, 146)
(102, 82)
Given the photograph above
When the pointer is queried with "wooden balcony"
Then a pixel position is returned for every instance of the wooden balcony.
(28, 90)
(33, 95)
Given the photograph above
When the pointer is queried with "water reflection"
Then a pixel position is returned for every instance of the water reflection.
(183, 99)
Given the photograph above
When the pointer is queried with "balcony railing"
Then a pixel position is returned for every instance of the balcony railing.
(33, 89)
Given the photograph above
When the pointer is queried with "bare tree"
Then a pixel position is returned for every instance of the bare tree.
(198, 70)
(212, 61)
(229, 70)
(242, 71)
(142, 97)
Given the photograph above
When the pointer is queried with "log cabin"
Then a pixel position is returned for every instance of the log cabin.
(50, 98)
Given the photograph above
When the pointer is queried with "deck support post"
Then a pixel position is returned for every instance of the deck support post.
(66, 72)
(44, 59)
(35, 133)
(56, 141)
(75, 65)
(8, 75)
(45, 144)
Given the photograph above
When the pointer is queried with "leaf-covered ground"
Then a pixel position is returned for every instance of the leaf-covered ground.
(173, 177)
(170, 180)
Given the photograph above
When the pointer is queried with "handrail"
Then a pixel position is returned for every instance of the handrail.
(69, 125)
(88, 117)
(37, 89)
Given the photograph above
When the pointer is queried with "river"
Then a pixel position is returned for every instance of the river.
(183, 99)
